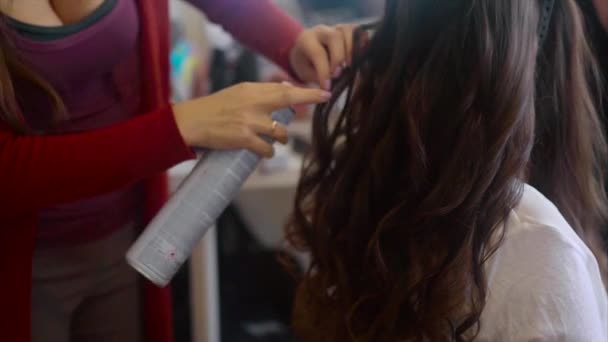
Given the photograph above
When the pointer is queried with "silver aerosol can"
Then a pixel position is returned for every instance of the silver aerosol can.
(171, 236)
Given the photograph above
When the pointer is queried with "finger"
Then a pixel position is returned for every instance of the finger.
(334, 43)
(318, 57)
(282, 96)
(347, 32)
(260, 147)
(307, 72)
(266, 126)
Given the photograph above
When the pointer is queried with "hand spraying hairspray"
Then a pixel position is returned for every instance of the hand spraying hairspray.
(172, 235)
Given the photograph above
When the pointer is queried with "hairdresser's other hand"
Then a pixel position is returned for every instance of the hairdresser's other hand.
(322, 52)
(235, 117)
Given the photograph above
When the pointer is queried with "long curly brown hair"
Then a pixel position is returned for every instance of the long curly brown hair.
(407, 188)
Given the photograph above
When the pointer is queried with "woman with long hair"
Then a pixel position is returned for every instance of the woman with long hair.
(458, 194)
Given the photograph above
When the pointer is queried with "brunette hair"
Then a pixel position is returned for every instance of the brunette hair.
(406, 191)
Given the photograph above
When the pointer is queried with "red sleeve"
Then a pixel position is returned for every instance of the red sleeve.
(39, 171)
(259, 24)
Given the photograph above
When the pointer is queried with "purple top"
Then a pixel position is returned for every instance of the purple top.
(95, 72)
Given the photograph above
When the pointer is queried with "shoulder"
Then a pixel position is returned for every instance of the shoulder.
(543, 282)
(536, 218)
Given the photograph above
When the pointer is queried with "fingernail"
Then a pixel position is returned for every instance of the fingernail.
(345, 64)
(338, 71)
(326, 95)
(327, 85)
(287, 83)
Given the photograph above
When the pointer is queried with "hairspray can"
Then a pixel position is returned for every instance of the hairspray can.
(172, 235)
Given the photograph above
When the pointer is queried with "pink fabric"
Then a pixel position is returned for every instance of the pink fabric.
(259, 24)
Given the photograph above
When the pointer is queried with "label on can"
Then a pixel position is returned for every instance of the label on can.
(161, 256)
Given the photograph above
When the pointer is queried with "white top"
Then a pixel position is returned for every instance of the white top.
(543, 282)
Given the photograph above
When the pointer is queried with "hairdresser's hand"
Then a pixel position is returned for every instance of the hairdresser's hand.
(235, 117)
(321, 53)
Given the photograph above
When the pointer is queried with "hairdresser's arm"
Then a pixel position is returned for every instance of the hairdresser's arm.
(259, 24)
(313, 55)
(39, 171)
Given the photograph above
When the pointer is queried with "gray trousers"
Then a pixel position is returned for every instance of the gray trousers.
(86, 293)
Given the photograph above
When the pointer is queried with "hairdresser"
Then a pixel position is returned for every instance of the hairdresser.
(86, 132)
